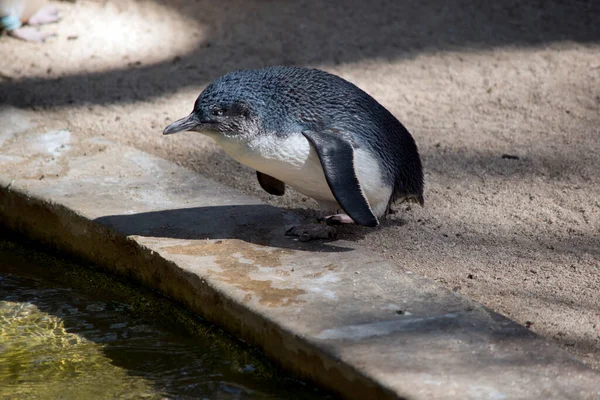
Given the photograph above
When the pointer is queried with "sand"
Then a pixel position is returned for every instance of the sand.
(503, 99)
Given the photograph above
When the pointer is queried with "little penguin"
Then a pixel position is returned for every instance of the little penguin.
(315, 132)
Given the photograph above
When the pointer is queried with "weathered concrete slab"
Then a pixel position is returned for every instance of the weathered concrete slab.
(330, 312)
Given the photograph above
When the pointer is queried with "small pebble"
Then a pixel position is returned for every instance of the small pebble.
(528, 324)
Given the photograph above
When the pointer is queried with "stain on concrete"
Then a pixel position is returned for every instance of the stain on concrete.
(314, 275)
(238, 260)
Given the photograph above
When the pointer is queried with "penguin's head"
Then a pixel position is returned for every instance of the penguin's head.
(226, 106)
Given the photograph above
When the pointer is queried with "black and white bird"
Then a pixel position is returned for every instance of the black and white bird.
(315, 132)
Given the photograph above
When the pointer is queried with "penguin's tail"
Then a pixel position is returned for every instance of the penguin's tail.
(416, 199)
(420, 200)
(409, 199)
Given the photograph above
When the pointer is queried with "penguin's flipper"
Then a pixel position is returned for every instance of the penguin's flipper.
(337, 159)
(271, 185)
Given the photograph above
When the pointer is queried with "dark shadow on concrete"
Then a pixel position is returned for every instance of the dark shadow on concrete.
(256, 223)
(248, 34)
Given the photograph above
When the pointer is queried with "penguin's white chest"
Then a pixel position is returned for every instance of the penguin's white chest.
(294, 160)
(291, 160)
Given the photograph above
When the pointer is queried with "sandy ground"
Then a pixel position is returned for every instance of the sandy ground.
(471, 81)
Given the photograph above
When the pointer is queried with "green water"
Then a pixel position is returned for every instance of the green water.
(72, 332)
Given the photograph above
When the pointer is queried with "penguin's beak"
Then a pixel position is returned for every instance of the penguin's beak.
(184, 124)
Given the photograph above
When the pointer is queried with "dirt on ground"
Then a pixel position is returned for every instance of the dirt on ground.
(503, 99)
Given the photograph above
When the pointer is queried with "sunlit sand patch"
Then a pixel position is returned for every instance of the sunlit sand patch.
(99, 36)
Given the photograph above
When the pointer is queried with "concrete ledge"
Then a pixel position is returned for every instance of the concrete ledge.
(333, 313)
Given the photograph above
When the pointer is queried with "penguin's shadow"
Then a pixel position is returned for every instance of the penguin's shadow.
(253, 223)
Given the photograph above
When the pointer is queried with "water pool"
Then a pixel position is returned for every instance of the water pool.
(74, 332)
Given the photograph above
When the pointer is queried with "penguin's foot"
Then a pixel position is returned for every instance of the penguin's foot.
(311, 232)
(30, 34)
(336, 219)
(45, 15)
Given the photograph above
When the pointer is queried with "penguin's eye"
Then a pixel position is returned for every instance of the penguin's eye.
(218, 111)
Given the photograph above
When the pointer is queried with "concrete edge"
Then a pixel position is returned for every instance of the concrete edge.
(63, 230)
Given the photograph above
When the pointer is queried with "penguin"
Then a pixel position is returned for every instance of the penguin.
(315, 132)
